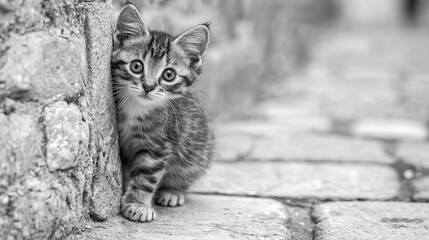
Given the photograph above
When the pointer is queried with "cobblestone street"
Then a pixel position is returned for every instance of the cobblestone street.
(338, 151)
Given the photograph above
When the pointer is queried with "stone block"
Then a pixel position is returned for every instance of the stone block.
(202, 217)
(421, 189)
(371, 220)
(40, 207)
(67, 135)
(22, 17)
(233, 146)
(390, 129)
(42, 67)
(295, 117)
(21, 141)
(318, 147)
(103, 151)
(301, 180)
(251, 128)
(366, 12)
(414, 153)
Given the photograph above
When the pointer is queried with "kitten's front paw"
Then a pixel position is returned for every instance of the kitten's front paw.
(138, 212)
(170, 198)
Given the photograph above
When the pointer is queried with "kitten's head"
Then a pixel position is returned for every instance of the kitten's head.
(151, 67)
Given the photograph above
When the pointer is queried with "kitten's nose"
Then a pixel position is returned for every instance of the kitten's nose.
(148, 88)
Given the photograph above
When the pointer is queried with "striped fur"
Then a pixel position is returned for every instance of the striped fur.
(165, 141)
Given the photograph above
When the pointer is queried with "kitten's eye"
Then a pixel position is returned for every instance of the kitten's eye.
(169, 74)
(136, 66)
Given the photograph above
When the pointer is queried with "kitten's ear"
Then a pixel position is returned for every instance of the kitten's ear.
(194, 43)
(130, 24)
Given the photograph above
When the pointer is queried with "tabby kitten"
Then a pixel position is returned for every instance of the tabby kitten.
(165, 141)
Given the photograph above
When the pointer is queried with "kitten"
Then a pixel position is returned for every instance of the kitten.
(164, 137)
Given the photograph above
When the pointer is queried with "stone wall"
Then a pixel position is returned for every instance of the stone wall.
(59, 162)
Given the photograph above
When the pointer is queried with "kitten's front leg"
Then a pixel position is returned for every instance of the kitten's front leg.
(141, 179)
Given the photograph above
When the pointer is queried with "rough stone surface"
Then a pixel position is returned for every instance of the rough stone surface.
(21, 139)
(202, 217)
(301, 180)
(103, 150)
(30, 195)
(21, 17)
(28, 72)
(421, 189)
(59, 151)
(414, 153)
(390, 129)
(67, 135)
(371, 220)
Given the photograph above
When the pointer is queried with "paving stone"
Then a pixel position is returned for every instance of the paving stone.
(318, 148)
(233, 146)
(301, 180)
(371, 220)
(254, 128)
(202, 217)
(390, 84)
(415, 97)
(270, 142)
(414, 153)
(297, 117)
(349, 95)
(364, 13)
(267, 126)
(390, 129)
(421, 189)
(368, 92)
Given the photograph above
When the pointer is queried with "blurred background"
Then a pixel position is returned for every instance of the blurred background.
(348, 59)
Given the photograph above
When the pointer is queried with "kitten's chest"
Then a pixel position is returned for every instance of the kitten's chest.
(153, 125)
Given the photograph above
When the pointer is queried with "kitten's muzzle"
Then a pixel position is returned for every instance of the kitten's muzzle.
(148, 88)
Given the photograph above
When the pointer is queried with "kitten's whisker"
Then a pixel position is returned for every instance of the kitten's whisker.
(199, 89)
(170, 115)
(117, 95)
(196, 92)
(175, 116)
(165, 119)
(126, 97)
(183, 110)
(198, 105)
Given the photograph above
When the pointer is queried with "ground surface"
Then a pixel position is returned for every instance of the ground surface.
(339, 151)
